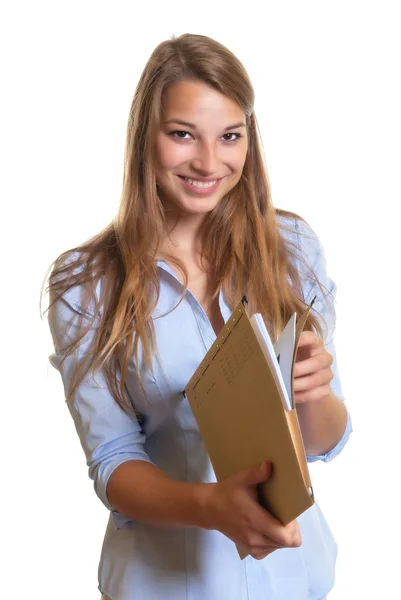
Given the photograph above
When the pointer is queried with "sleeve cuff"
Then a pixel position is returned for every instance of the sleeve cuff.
(337, 448)
(102, 477)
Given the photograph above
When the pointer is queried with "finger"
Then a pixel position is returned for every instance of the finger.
(272, 529)
(258, 542)
(261, 552)
(308, 338)
(253, 475)
(313, 364)
(310, 382)
(312, 395)
(260, 555)
(294, 530)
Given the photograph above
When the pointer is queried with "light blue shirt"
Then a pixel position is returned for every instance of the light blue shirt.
(142, 562)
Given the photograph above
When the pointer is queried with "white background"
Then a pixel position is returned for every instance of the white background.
(327, 79)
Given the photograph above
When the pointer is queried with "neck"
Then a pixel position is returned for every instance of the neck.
(184, 233)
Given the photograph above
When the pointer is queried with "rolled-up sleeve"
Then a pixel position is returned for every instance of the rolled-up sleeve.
(108, 435)
(324, 310)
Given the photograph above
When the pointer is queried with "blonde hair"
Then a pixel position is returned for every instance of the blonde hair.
(241, 237)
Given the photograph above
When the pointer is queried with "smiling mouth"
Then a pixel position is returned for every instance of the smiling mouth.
(199, 183)
(199, 188)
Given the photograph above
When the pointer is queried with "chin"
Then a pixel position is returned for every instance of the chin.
(198, 206)
(188, 205)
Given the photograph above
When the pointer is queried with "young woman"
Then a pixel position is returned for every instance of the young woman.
(134, 310)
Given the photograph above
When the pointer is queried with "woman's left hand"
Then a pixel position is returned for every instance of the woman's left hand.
(312, 373)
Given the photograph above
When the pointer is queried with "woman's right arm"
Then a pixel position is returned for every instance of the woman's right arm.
(126, 480)
(145, 493)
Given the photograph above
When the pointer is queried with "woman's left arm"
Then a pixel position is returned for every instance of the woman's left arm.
(322, 415)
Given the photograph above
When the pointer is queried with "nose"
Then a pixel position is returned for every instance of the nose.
(205, 159)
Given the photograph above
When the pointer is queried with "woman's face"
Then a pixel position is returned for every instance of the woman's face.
(202, 137)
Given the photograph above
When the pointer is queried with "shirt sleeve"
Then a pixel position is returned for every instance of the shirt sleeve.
(108, 435)
(314, 265)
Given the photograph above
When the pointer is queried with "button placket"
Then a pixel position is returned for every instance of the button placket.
(205, 327)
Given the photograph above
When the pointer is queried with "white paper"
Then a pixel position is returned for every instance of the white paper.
(264, 339)
(284, 350)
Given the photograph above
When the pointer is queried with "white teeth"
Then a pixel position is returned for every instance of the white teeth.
(200, 184)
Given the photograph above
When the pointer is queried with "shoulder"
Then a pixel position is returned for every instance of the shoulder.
(296, 232)
(305, 249)
(72, 280)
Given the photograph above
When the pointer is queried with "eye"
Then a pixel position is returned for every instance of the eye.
(239, 135)
(173, 134)
(180, 134)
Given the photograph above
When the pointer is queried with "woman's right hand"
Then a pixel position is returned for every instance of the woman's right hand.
(231, 506)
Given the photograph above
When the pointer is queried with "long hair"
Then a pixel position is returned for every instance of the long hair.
(240, 236)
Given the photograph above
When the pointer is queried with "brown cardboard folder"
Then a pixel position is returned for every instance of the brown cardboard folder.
(236, 400)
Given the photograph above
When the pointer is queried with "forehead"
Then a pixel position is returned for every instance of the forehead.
(199, 102)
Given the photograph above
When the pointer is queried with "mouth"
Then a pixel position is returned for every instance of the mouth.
(199, 187)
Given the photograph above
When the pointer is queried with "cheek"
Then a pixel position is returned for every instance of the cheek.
(169, 154)
(238, 165)
(238, 160)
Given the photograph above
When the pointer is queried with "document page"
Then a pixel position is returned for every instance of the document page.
(284, 350)
(270, 353)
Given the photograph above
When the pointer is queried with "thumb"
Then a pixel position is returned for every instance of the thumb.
(256, 474)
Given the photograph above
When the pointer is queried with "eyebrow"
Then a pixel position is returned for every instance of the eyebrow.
(180, 122)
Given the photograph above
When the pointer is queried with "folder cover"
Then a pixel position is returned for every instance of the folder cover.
(239, 404)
